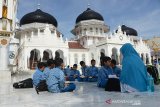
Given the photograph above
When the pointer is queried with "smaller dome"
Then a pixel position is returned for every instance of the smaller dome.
(129, 31)
(89, 14)
(38, 16)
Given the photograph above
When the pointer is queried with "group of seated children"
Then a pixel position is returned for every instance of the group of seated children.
(89, 74)
(53, 75)
(92, 73)
(133, 76)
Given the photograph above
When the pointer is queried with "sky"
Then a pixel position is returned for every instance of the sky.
(142, 15)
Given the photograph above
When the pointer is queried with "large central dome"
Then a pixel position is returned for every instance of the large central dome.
(89, 14)
(38, 16)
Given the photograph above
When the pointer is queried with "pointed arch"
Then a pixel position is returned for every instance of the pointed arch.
(147, 58)
(115, 54)
(102, 54)
(47, 54)
(59, 54)
(34, 58)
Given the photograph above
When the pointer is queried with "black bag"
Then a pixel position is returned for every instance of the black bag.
(42, 86)
(152, 70)
(27, 83)
(113, 84)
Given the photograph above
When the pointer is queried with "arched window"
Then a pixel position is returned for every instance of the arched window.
(47, 54)
(34, 58)
(147, 58)
(59, 54)
(102, 54)
(115, 55)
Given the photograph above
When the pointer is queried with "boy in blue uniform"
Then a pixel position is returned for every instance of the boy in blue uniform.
(56, 81)
(116, 70)
(50, 65)
(74, 74)
(67, 71)
(38, 75)
(104, 72)
(93, 72)
(85, 70)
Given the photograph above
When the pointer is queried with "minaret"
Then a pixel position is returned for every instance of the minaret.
(8, 11)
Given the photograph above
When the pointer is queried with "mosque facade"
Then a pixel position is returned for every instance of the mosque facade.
(38, 39)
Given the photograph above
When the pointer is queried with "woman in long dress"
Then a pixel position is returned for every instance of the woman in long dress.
(134, 73)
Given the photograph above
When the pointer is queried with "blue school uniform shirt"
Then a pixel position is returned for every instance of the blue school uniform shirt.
(85, 70)
(134, 72)
(116, 71)
(67, 71)
(103, 75)
(46, 72)
(55, 80)
(37, 77)
(93, 71)
(74, 72)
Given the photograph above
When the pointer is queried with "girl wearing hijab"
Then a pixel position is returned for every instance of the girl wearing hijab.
(134, 73)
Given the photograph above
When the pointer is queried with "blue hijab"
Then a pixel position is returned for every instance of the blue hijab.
(134, 72)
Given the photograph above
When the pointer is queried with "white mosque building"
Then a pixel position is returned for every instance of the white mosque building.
(38, 39)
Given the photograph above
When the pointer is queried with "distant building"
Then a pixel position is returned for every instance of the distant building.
(38, 39)
(154, 44)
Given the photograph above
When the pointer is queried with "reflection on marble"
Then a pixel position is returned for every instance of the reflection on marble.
(85, 95)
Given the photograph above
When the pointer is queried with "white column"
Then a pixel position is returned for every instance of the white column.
(31, 34)
(66, 57)
(41, 54)
(69, 61)
(38, 33)
(4, 58)
(26, 60)
(5, 74)
(53, 53)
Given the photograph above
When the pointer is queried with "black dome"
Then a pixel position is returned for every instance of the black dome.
(129, 31)
(38, 16)
(89, 14)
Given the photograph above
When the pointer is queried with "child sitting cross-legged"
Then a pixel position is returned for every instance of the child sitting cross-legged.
(74, 73)
(56, 80)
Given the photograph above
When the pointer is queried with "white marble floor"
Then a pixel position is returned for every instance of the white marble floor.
(85, 95)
